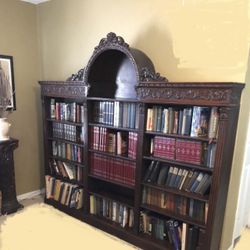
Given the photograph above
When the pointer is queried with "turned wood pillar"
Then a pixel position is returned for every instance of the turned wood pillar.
(7, 177)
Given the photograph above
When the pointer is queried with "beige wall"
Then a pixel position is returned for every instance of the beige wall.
(19, 39)
(188, 40)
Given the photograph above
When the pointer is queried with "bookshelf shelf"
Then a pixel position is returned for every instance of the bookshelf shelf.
(64, 179)
(112, 127)
(65, 122)
(139, 132)
(170, 214)
(77, 213)
(177, 163)
(103, 220)
(113, 155)
(68, 161)
(111, 181)
(66, 141)
(163, 244)
(178, 192)
(205, 139)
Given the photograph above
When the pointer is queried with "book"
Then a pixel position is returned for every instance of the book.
(213, 123)
(52, 108)
(200, 117)
(149, 171)
(162, 175)
(155, 172)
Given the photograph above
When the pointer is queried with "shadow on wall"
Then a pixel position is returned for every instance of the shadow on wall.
(158, 45)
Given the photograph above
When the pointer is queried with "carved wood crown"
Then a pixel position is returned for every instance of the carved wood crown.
(112, 40)
(146, 76)
(77, 76)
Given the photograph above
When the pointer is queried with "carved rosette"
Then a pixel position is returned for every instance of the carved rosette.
(76, 91)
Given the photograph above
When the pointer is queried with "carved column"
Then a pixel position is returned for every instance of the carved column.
(7, 177)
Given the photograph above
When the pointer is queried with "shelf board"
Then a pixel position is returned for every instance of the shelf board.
(129, 235)
(76, 213)
(204, 139)
(178, 163)
(128, 201)
(92, 124)
(64, 179)
(175, 216)
(66, 160)
(112, 99)
(112, 155)
(65, 122)
(177, 192)
(66, 141)
(111, 181)
(162, 243)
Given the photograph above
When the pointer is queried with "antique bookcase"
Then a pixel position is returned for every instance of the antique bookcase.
(155, 155)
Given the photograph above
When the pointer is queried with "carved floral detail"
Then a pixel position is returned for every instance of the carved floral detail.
(147, 75)
(67, 91)
(112, 40)
(224, 113)
(77, 76)
(157, 92)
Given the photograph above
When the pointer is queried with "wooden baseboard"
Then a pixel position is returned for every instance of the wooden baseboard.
(30, 195)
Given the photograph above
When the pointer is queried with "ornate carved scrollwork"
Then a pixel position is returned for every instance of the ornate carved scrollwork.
(146, 75)
(112, 40)
(77, 76)
(158, 91)
(224, 113)
(79, 91)
(141, 108)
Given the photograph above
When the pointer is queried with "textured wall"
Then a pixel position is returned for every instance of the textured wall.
(19, 39)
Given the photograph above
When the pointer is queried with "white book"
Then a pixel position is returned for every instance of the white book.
(183, 236)
(116, 113)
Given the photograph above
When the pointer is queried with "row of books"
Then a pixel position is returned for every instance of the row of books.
(66, 170)
(63, 192)
(180, 235)
(63, 111)
(177, 177)
(118, 114)
(120, 143)
(67, 151)
(195, 122)
(112, 210)
(115, 169)
(67, 132)
(177, 204)
(184, 150)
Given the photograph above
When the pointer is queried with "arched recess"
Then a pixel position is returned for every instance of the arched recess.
(114, 69)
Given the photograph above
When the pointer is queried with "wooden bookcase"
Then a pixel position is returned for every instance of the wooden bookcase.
(132, 121)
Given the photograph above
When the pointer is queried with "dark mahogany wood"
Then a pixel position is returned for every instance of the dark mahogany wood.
(115, 71)
(7, 177)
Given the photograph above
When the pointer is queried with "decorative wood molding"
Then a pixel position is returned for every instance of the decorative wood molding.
(58, 89)
(148, 76)
(112, 40)
(190, 92)
(77, 76)
(224, 113)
